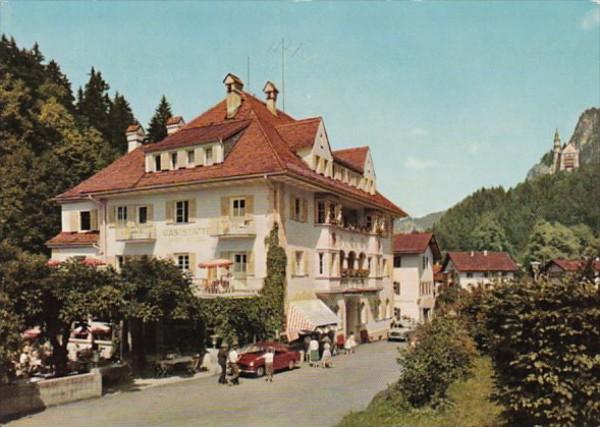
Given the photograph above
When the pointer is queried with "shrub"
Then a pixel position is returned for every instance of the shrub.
(442, 354)
(545, 347)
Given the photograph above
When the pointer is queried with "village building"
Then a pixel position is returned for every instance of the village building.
(565, 157)
(472, 269)
(559, 267)
(209, 193)
(415, 255)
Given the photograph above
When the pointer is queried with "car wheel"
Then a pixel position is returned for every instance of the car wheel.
(291, 365)
(260, 371)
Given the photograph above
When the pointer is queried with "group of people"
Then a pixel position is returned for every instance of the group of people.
(320, 353)
(229, 359)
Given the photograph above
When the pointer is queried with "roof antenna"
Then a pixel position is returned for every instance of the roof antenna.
(283, 75)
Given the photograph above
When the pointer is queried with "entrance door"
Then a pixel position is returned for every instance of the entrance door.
(353, 317)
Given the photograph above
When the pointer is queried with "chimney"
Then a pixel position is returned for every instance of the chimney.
(485, 253)
(174, 124)
(472, 253)
(271, 91)
(234, 87)
(135, 137)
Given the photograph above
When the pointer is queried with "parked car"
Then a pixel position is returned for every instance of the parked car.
(401, 331)
(252, 363)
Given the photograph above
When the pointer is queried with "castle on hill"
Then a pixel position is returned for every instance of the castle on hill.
(566, 157)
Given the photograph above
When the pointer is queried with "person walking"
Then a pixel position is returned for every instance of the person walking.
(269, 356)
(326, 360)
(234, 357)
(350, 344)
(313, 349)
(222, 359)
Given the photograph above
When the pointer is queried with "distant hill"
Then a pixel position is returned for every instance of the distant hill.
(408, 224)
(586, 137)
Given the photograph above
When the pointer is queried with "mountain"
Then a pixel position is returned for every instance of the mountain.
(408, 224)
(586, 137)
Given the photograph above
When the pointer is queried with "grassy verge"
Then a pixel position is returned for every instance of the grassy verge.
(469, 406)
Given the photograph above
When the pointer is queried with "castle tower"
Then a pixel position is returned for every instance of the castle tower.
(557, 152)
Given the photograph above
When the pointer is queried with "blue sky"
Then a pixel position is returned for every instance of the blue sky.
(450, 96)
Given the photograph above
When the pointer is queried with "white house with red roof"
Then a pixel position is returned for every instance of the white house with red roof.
(209, 193)
(414, 287)
(470, 269)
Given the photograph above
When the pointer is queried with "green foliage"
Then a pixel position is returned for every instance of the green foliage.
(443, 354)
(550, 241)
(157, 128)
(273, 291)
(545, 346)
(10, 338)
(566, 198)
(489, 235)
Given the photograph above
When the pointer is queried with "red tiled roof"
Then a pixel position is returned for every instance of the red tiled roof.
(71, 238)
(198, 135)
(416, 243)
(174, 120)
(133, 127)
(478, 261)
(300, 134)
(353, 158)
(573, 265)
(260, 150)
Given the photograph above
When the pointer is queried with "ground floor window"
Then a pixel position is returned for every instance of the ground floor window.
(240, 263)
(183, 262)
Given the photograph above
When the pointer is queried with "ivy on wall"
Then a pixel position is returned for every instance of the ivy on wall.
(273, 291)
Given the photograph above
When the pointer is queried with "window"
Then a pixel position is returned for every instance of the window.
(208, 153)
(321, 212)
(174, 160)
(122, 214)
(143, 214)
(425, 262)
(397, 313)
(190, 157)
(397, 288)
(486, 274)
(469, 275)
(120, 262)
(240, 263)
(321, 263)
(397, 261)
(85, 220)
(297, 208)
(183, 262)
(239, 207)
(299, 257)
(369, 222)
(157, 165)
(182, 211)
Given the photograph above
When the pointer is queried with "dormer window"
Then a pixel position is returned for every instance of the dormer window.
(208, 153)
(174, 160)
(190, 157)
(85, 220)
(157, 165)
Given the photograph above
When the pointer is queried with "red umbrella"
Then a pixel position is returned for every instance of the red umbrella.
(93, 262)
(32, 333)
(53, 263)
(216, 263)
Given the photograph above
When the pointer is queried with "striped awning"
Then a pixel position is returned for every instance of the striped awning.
(308, 315)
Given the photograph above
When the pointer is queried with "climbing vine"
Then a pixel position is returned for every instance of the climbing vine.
(273, 291)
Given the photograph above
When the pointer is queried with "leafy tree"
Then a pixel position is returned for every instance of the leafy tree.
(157, 128)
(550, 241)
(544, 345)
(273, 290)
(489, 235)
(10, 338)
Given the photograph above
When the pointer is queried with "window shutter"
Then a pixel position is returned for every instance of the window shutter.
(131, 215)
(169, 209)
(306, 263)
(150, 213)
(192, 209)
(224, 206)
(111, 214)
(192, 263)
(250, 265)
(94, 219)
(249, 206)
(292, 211)
(74, 221)
(165, 161)
(304, 210)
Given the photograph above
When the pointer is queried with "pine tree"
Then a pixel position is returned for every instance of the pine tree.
(93, 102)
(119, 117)
(157, 128)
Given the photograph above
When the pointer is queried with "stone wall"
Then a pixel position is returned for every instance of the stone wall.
(18, 399)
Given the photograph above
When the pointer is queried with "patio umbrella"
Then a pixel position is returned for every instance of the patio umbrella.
(100, 328)
(93, 262)
(221, 262)
(31, 333)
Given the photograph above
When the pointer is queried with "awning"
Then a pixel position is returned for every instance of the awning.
(308, 315)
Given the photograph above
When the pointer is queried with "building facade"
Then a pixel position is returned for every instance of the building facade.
(564, 157)
(209, 193)
(415, 255)
(472, 269)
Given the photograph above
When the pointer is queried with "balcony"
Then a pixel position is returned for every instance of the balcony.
(353, 281)
(136, 233)
(223, 287)
(233, 228)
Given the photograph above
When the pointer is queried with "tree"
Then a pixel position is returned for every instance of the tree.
(489, 235)
(10, 338)
(119, 117)
(93, 102)
(157, 128)
(273, 290)
(549, 241)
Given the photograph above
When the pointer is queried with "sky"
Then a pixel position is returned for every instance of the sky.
(451, 96)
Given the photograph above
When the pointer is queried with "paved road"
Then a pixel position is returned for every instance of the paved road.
(303, 397)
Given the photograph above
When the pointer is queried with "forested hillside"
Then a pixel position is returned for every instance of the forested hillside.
(49, 141)
(550, 216)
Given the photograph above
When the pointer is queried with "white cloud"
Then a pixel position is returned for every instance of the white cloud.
(418, 164)
(418, 132)
(591, 19)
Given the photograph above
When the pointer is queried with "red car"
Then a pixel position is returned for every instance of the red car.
(251, 361)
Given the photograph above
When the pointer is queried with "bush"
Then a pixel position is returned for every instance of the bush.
(442, 354)
(545, 347)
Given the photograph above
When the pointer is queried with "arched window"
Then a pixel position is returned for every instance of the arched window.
(351, 260)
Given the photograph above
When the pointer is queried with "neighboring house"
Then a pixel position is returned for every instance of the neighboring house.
(414, 286)
(558, 267)
(209, 193)
(469, 269)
